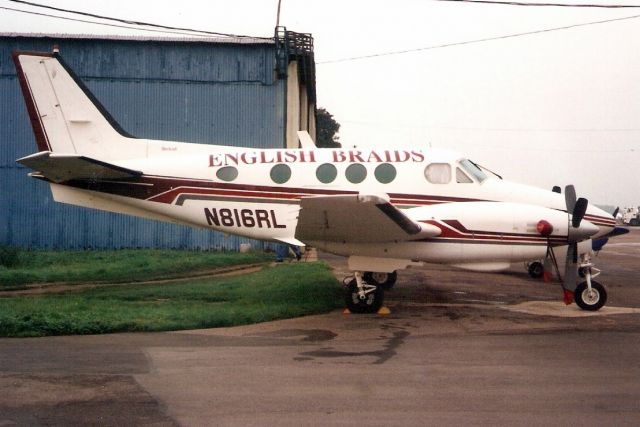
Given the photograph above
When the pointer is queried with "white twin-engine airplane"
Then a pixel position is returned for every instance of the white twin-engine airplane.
(384, 209)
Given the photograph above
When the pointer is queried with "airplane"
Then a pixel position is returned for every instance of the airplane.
(385, 209)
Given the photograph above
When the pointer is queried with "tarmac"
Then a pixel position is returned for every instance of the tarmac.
(458, 348)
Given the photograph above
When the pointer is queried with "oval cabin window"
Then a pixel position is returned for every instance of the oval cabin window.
(385, 173)
(326, 173)
(227, 173)
(438, 173)
(356, 173)
(280, 173)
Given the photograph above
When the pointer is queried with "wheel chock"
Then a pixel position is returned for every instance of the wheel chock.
(384, 311)
(346, 311)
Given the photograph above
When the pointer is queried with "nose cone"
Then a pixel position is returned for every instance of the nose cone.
(583, 232)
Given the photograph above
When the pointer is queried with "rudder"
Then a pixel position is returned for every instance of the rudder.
(64, 114)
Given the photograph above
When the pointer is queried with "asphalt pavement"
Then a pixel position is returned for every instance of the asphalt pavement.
(458, 348)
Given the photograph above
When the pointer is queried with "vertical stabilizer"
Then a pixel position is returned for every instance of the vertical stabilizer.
(65, 116)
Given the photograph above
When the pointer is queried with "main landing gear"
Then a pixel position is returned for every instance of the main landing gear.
(535, 269)
(386, 280)
(364, 292)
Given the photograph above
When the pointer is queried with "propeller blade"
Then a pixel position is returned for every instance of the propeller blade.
(615, 213)
(579, 210)
(570, 197)
(571, 268)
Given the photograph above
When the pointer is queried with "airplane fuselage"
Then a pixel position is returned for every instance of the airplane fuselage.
(256, 193)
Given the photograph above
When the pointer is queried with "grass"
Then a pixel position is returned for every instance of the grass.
(114, 266)
(279, 292)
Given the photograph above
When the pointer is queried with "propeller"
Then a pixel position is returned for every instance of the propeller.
(578, 230)
(576, 233)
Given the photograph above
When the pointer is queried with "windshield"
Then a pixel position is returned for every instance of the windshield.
(473, 170)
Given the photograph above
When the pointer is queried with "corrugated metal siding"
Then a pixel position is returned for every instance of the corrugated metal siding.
(194, 92)
(194, 112)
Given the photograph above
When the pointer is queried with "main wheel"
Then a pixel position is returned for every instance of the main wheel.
(536, 269)
(591, 301)
(370, 304)
(385, 280)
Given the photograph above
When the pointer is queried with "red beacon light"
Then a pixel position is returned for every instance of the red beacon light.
(544, 228)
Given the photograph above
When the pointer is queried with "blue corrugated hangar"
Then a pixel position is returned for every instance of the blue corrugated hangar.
(249, 92)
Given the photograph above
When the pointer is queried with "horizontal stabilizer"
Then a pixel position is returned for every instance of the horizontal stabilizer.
(357, 219)
(65, 167)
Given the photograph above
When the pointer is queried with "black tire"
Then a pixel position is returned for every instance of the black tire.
(371, 304)
(536, 269)
(590, 303)
(385, 280)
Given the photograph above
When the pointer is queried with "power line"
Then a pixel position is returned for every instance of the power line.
(491, 129)
(102, 23)
(519, 3)
(131, 22)
(486, 39)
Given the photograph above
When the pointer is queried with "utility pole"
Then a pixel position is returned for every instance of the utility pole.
(278, 17)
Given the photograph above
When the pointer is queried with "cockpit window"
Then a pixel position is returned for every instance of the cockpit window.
(462, 178)
(438, 173)
(473, 170)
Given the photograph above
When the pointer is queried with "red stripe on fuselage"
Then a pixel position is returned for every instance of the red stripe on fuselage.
(169, 190)
(454, 230)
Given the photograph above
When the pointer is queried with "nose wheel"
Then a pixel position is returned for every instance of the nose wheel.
(591, 298)
(589, 295)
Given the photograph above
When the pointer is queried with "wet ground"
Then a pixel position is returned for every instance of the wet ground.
(458, 348)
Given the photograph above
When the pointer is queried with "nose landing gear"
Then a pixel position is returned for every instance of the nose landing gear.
(589, 295)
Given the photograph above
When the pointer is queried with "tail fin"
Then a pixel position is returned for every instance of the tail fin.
(65, 116)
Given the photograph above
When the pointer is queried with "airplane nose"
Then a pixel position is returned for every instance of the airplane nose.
(583, 232)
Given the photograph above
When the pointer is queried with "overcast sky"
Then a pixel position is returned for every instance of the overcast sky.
(552, 108)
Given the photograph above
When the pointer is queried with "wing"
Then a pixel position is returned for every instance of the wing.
(357, 218)
(64, 167)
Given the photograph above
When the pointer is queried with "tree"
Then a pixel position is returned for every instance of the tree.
(326, 130)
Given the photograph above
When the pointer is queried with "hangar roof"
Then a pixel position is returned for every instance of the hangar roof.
(186, 39)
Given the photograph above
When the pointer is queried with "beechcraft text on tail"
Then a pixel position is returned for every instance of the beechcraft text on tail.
(384, 209)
